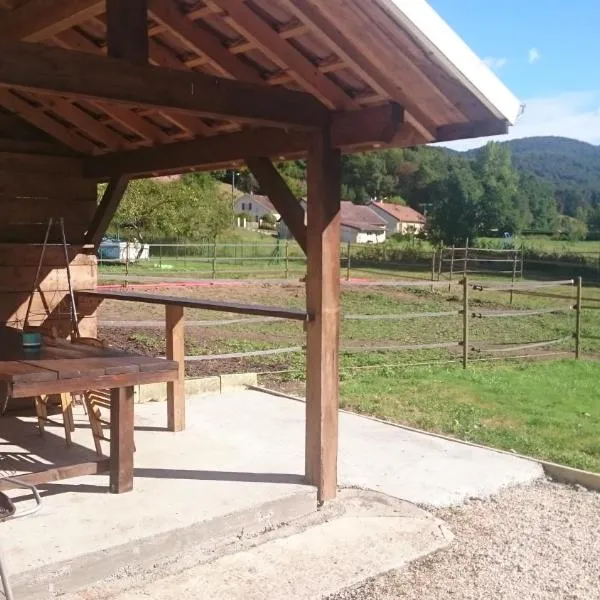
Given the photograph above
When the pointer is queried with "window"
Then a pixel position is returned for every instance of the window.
(243, 206)
(250, 206)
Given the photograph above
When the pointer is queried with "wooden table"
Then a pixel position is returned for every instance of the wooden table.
(60, 367)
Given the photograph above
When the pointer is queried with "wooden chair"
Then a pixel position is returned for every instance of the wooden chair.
(65, 401)
(95, 402)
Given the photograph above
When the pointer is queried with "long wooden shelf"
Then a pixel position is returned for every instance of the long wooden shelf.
(232, 307)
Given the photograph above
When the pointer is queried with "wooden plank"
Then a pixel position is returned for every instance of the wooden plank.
(373, 126)
(282, 198)
(121, 440)
(50, 70)
(57, 473)
(79, 384)
(32, 164)
(127, 30)
(45, 186)
(17, 371)
(232, 307)
(323, 301)
(29, 256)
(37, 209)
(52, 127)
(106, 210)
(474, 129)
(175, 326)
(167, 14)
(253, 28)
(54, 279)
(38, 20)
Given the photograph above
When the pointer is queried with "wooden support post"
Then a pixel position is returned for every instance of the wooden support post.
(323, 304)
(127, 30)
(465, 340)
(175, 324)
(578, 318)
(121, 440)
(466, 257)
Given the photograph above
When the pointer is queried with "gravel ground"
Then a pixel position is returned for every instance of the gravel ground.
(533, 542)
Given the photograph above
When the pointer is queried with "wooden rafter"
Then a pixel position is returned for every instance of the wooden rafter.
(51, 126)
(325, 30)
(372, 127)
(38, 20)
(75, 41)
(475, 129)
(280, 195)
(84, 76)
(178, 25)
(251, 26)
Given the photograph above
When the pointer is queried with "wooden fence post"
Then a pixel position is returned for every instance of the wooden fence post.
(214, 260)
(348, 253)
(451, 265)
(175, 351)
(466, 257)
(465, 340)
(287, 261)
(433, 266)
(514, 275)
(578, 318)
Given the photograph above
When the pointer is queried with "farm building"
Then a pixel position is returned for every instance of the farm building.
(258, 207)
(104, 91)
(398, 218)
(361, 224)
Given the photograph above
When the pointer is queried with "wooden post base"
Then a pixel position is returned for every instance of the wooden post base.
(121, 440)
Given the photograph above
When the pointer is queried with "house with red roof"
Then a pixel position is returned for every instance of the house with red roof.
(361, 224)
(399, 218)
(256, 206)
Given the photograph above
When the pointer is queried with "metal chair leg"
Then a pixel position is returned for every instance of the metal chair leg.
(4, 577)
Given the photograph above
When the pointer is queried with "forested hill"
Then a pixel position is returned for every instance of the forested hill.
(569, 165)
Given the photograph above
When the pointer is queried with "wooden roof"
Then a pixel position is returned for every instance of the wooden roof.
(349, 55)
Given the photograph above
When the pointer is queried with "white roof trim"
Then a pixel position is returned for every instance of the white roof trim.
(424, 23)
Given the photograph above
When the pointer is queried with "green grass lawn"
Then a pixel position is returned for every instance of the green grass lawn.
(548, 410)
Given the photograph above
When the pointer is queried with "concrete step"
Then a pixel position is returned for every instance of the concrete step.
(362, 535)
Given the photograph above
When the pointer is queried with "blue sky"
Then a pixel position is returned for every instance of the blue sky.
(545, 51)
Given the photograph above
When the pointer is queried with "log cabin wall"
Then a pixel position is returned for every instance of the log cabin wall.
(33, 189)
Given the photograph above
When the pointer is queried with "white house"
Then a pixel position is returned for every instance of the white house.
(361, 224)
(256, 206)
(398, 218)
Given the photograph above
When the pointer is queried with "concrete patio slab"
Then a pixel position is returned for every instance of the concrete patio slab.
(370, 534)
(236, 471)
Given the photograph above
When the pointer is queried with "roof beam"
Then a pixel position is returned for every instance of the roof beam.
(252, 27)
(127, 30)
(44, 69)
(367, 128)
(38, 20)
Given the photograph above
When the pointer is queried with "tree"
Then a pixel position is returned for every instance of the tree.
(189, 207)
(539, 196)
(499, 209)
(456, 214)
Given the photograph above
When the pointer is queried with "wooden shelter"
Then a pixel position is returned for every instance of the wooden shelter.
(102, 91)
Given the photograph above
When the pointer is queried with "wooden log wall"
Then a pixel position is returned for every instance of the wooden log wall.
(34, 188)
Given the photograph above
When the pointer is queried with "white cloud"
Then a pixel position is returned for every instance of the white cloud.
(571, 114)
(533, 56)
(495, 63)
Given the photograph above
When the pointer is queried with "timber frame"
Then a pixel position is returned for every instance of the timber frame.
(108, 90)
